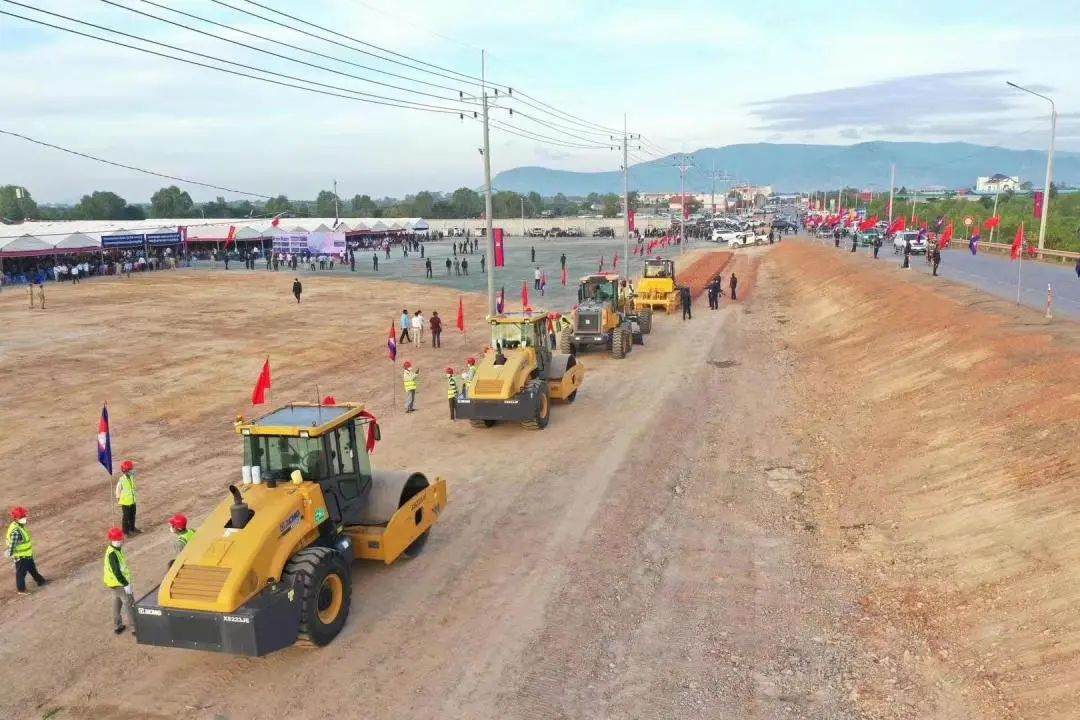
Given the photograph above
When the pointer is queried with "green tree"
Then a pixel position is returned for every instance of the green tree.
(278, 205)
(611, 204)
(534, 204)
(363, 206)
(466, 203)
(422, 204)
(632, 198)
(16, 204)
(102, 205)
(326, 204)
(171, 202)
(590, 200)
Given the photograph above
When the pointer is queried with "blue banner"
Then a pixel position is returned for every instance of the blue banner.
(170, 238)
(120, 241)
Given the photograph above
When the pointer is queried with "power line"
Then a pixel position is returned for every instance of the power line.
(87, 156)
(531, 135)
(376, 99)
(560, 128)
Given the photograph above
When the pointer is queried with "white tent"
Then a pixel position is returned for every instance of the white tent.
(248, 233)
(24, 245)
(79, 241)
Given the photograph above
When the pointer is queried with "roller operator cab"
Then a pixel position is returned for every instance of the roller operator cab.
(606, 316)
(519, 375)
(657, 289)
(270, 566)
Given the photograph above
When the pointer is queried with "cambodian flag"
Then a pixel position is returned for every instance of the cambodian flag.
(391, 343)
(104, 441)
(973, 243)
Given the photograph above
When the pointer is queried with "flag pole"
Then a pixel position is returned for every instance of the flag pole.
(1019, 267)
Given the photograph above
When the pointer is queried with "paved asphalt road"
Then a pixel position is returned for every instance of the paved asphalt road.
(996, 274)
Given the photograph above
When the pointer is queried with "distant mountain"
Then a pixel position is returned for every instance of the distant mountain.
(791, 168)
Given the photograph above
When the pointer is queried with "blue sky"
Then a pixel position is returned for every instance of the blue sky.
(689, 75)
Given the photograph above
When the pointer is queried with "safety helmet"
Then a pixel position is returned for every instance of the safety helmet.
(449, 371)
(406, 364)
(471, 361)
(178, 522)
(115, 534)
(18, 512)
(126, 466)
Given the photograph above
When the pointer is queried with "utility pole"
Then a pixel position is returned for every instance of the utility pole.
(992, 227)
(1049, 162)
(337, 210)
(487, 195)
(892, 186)
(715, 176)
(684, 162)
(626, 137)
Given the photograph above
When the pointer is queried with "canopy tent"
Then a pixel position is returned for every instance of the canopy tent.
(77, 242)
(25, 246)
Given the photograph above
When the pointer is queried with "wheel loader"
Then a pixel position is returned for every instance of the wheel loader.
(270, 566)
(604, 317)
(657, 289)
(519, 376)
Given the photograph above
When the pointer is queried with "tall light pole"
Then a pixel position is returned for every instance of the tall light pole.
(1049, 161)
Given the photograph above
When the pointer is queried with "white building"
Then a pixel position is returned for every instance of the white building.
(997, 183)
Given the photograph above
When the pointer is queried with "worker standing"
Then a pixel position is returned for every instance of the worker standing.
(297, 288)
(375, 259)
(409, 377)
(935, 258)
(733, 286)
(125, 498)
(178, 527)
(20, 548)
(452, 392)
(118, 579)
(427, 265)
(466, 376)
(684, 296)
(532, 253)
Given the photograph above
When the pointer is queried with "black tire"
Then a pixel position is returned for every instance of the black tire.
(645, 320)
(618, 343)
(571, 397)
(565, 344)
(628, 338)
(320, 576)
(543, 406)
(416, 484)
(482, 423)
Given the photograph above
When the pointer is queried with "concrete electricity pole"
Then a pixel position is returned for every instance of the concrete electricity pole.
(625, 143)
(1049, 162)
(522, 216)
(892, 188)
(487, 194)
(715, 177)
(684, 162)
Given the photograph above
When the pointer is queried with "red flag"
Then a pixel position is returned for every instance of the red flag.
(497, 236)
(276, 221)
(868, 223)
(460, 315)
(1038, 203)
(564, 277)
(615, 261)
(923, 226)
(897, 226)
(1018, 242)
(258, 395)
(915, 221)
(524, 295)
(231, 238)
(946, 237)
(992, 223)
(630, 217)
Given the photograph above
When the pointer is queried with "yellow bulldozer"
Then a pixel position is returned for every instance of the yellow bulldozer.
(270, 566)
(606, 317)
(519, 376)
(657, 289)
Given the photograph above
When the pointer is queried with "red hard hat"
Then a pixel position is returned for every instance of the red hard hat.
(126, 465)
(471, 361)
(18, 512)
(406, 364)
(329, 400)
(115, 534)
(178, 522)
(449, 371)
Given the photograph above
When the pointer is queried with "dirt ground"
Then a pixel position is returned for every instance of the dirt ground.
(733, 522)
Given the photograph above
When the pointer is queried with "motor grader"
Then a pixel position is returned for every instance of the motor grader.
(519, 375)
(657, 289)
(605, 317)
(270, 566)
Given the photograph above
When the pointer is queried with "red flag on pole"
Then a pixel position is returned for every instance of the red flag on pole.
(630, 217)
(946, 237)
(564, 277)
(460, 315)
(1018, 243)
(1038, 203)
(524, 295)
(992, 223)
(391, 343)
(615, 261)
(276, 221)
(258, 395)
(231, 238)
(898, 226)
(497, 236)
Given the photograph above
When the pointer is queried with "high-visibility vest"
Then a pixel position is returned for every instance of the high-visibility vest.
(184, 537)
(410, 380)
(110, 579)
(451, 387)
(23, 547)
(127, 489)
(467, 374)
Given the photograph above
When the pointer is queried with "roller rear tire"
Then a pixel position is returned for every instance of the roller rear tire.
(320, 576)
(543, 406)
(645, 320)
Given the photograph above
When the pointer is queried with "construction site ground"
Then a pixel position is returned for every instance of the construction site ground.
(852, 494)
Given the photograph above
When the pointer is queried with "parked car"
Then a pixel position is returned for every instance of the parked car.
(456, 232)
(573, 232)
(869, 237)
(918, 245)
(726, 237)
(785, 225)
(603, 232)
(535, 232)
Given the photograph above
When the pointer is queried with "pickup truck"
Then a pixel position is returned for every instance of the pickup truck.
(603, 232)
(918, 245)
(535, 232)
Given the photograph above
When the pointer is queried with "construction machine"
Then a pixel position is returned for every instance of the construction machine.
(270, 566)
(519, 375)
(657, 289)
(605, 316)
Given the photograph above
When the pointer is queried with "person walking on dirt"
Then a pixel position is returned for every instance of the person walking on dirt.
(409, 377)
(427, 268)
(854, 241)
(877, 246)
(684, 296)
(297, 289)
(907, 253)
(436, 329)
(733, 284)
(126, 497)
(405, 336)
(117, 578)
(772, 236)
(20, 548)
(417, 327)
(452, 392)
(836, 237)
(935, 258)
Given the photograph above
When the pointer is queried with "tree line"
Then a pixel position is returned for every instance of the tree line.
(18, 205)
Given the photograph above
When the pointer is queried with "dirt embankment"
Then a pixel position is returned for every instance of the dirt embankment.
(946, 438)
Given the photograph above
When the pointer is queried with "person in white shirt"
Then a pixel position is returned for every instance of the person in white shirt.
(417, 325)
(75, 274)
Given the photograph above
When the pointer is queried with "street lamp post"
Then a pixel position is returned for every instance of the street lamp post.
(1049, 161)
